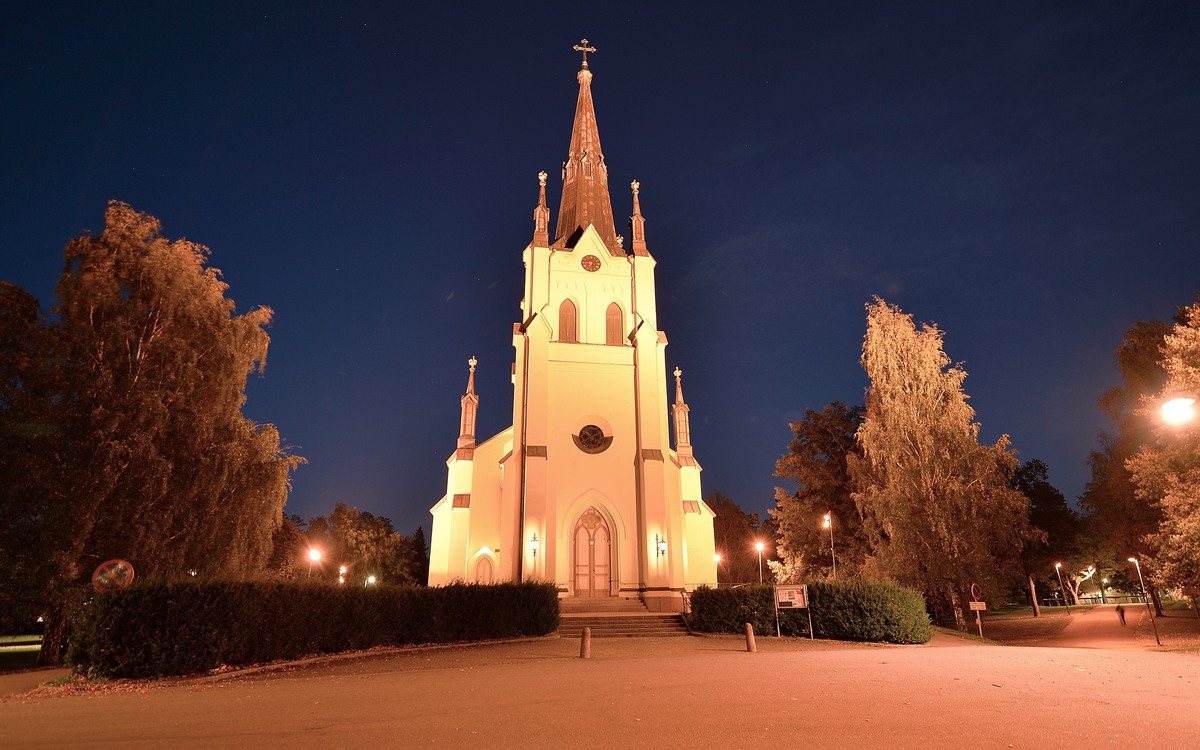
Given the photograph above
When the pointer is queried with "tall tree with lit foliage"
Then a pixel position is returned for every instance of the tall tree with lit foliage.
(1166, 472)
(817, 462)
(130, 413)
(1118, 520)
(935, 503)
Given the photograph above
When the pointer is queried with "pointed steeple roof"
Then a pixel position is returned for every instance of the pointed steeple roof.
(470, 408)
(585, 199)
(683, 428)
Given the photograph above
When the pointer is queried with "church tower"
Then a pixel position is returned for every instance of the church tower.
(584, 489)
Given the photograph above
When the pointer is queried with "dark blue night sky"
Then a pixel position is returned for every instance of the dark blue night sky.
(1024, 174)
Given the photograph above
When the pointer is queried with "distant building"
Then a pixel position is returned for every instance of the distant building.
(584, 488)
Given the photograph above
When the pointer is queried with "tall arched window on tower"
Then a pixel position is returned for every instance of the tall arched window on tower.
(567, 329)
(614, 326)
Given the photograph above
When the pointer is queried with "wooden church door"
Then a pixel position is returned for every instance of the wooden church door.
(483, 570)
(592, 555)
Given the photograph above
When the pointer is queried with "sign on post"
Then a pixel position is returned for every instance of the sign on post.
(978, 606)
(792, 597)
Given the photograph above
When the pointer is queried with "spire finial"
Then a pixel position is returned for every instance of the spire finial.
(472, 362)
(585, 49)
(542, 178)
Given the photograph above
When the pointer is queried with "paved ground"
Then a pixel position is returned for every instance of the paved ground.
(666, 692)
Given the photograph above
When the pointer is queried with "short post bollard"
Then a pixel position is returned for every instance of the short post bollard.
(585, 644)
(750, 639)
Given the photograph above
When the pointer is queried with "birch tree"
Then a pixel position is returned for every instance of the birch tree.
(145, 455)
(935, 503)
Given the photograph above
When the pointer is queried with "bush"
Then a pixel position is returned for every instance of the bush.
(157, 629)
(849, 611)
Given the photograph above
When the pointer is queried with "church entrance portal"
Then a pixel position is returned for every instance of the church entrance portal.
(592, 555)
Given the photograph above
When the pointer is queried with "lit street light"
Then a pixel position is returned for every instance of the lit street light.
(717, 560)
(1179, 410)
(314, 556)
(1058, 569)
(1146, 598)
(759, 546)
(829, 525)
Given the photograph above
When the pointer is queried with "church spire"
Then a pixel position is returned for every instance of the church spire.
(683, 430)
(470, 407)
(541, 215)
(585, 199)
(637, 222)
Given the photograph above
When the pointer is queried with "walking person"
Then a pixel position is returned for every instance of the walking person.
(1121, 614)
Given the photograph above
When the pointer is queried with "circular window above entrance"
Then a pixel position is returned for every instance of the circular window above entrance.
(591, 439)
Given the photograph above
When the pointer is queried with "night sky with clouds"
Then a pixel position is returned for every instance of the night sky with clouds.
(1026, 175)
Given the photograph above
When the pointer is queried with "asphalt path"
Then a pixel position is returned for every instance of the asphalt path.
(1100, 627)
(688, 692)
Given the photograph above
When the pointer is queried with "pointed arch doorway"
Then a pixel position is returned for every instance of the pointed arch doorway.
(593, 555)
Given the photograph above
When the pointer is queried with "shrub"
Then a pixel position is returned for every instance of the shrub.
(155, 629)
(847, 611)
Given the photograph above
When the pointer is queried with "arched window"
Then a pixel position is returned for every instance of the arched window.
(614, 326)
(567, 330)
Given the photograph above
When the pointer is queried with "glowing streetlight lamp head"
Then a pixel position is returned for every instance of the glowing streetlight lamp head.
(825, 524)
(717, 558)
(314, 554)
(1133, 559)
(759, 546)
(1179, 410)
(1058, 565)
(370, 581)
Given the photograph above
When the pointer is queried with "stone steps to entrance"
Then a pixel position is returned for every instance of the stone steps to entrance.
(606, 604)
(615, 617)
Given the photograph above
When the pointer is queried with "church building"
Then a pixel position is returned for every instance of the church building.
(584, 489)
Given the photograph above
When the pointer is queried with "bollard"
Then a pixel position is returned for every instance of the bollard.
(750, 638)
(585, 644)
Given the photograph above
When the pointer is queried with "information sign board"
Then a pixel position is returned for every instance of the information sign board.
(791, 597)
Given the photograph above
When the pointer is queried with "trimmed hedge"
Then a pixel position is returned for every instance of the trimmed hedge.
(850, 611)
(158, 629)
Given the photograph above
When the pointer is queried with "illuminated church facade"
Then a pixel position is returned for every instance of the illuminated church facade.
(584, 489)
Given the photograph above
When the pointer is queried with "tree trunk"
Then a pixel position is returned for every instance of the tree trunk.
(960, 619)
(1158, 612)
(52, 637)
(1037, 610)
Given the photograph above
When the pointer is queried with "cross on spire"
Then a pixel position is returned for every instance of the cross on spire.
(585, 49)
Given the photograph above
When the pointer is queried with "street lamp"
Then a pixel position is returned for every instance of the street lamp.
(1179, 410)
(314, 556)
(717, 564)
(759, 546)
(833, 557)
(1103, 585)
(1058, 569)
(1146, 598)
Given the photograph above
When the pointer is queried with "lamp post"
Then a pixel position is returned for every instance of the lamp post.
(314, 556)
(1146, 598)
(717, 564)
(759, 546)
(1058, 569)
(828, 523)
(1103, 585)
